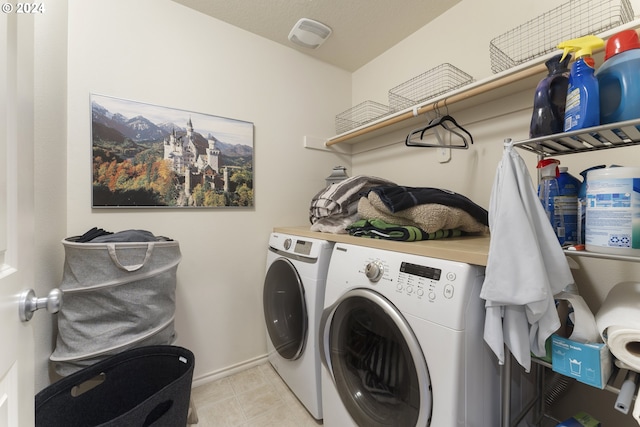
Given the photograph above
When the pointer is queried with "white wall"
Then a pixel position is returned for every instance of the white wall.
(452, 38)
(460, 37)
(50, 164)
(159, 52)
(470, 172)
(464, 42)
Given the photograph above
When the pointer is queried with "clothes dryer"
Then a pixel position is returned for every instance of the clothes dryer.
(293, 298)
(401, 340)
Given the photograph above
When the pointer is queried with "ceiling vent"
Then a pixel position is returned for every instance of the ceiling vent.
(309, 33)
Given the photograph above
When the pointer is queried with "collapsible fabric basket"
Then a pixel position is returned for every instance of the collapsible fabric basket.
(147, 386)
(116, 296)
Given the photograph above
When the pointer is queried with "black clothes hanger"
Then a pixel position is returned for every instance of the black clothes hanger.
(450, 125)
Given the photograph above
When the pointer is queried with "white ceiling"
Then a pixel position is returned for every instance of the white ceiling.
(362, 29)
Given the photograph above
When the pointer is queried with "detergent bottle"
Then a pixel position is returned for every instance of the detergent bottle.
(619, 80)
(548, 190)
(549, 99)
(565, 205)
(582, 108)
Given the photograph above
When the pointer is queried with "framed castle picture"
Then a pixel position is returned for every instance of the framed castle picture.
(147, 156)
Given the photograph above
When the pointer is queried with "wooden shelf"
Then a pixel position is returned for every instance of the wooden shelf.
(495, 87)
(467, 249)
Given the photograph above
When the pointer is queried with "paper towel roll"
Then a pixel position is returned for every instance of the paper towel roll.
(618, 322)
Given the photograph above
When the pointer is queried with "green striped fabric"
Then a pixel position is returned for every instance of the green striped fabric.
(379, 229)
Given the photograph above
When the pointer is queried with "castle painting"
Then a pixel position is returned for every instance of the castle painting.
(149, 156)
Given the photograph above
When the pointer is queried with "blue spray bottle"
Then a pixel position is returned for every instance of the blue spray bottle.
(548, 191)
(582, 108)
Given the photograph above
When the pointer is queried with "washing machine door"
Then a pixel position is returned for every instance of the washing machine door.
(285, 309)
(376, 362)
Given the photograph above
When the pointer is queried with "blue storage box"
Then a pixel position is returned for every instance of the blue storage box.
(588, 363)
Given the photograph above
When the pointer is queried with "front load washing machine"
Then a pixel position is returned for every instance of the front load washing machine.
(293, 297)
(402, 343)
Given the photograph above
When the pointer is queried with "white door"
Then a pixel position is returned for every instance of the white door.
(16, 217)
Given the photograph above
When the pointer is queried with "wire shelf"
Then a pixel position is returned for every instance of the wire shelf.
(359, 115)
(441, 79)
(542, 34)
(613, 135)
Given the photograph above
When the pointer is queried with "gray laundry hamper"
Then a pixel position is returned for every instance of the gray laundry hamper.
(116, 296)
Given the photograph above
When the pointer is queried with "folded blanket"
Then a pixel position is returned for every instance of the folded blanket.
(378, 229)
(428, 217)
(335, 224)
(397, 198)
(336, 206)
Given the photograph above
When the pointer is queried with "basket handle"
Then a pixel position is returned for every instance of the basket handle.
(158, 412)
(114, 257)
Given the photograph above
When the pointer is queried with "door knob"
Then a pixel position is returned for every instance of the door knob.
(30, 303)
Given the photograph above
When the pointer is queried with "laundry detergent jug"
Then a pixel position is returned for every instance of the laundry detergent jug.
(619, 79)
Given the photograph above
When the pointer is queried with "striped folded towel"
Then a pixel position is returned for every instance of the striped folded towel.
(379, 229)
(336, 206)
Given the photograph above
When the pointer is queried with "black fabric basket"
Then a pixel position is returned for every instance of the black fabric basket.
(145, 386)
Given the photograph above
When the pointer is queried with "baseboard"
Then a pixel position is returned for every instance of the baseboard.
(230, 370)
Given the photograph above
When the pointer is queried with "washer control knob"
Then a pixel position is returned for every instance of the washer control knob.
(287, 244)
(374, 271)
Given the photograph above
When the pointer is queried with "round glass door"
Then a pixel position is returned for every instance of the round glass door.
(378, 366)
(285, 310)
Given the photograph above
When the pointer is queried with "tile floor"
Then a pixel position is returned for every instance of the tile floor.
(256, 397)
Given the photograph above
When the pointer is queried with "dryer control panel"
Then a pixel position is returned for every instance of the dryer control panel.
(429, 288)
(420, 280)
(310, 255)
